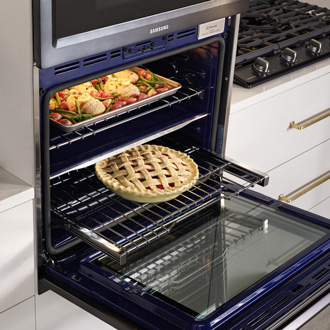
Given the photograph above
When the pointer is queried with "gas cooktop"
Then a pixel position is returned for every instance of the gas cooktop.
(280, 36)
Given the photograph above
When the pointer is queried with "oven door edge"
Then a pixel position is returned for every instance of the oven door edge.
(89, 305)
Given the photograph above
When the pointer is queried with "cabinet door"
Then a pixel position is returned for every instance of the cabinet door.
(20, 317)
(16, 255)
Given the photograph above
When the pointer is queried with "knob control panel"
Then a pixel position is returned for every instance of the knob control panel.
(288, 56)
(261, 66)
(314, 46)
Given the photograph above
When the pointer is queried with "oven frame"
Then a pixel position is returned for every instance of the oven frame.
(225, 78)
(72, 295)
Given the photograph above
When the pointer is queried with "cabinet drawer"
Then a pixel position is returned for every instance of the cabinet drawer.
(291, 177)
(16, 255)
(260, 136)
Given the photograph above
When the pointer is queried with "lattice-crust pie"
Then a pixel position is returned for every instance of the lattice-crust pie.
(148, 173)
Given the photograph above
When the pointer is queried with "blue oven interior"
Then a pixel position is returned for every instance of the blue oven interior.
(191, 263)
(179, 56)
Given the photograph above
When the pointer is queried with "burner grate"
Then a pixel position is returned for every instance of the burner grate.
(268, 23)
(279, 36)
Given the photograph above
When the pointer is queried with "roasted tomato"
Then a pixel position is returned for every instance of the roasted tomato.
(95, 94)
(162, 90)
(142, 96)
(55, 116)
(63, 106)
(142, 73)
(107, 103)
(65, 122)
(130, 100)
(117, 105)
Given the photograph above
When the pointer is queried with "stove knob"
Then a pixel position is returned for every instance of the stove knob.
(261, 66)
(288, 55)
(314, 46)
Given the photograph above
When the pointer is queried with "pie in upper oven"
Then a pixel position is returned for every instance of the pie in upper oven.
(148, 173)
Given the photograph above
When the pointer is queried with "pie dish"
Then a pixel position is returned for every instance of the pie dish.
(148, 173)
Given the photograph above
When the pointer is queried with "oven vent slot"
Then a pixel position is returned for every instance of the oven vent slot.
(119, 227)
(95, 59)
(66, 68)
(115, 53)
(170, 37)
(322, 273)
(186, 33)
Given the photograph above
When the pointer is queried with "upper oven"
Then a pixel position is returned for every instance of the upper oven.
(201, 258)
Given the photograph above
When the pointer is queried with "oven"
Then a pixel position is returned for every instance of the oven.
(217, 256)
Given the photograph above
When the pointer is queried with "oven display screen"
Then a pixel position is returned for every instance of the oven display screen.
(72, 17)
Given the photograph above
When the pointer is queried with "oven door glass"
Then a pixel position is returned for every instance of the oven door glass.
(97, 14)
(214, 256)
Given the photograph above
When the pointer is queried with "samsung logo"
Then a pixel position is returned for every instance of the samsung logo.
(159, 29)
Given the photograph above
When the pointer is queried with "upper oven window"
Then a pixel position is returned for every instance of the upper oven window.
(73, 17)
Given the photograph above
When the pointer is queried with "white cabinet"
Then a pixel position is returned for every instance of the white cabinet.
(19, 317)
(57, 313)
(260, 135)
(16, 255)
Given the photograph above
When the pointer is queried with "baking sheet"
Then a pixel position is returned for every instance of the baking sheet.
(124, 109)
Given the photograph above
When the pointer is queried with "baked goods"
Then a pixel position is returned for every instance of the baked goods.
(148, 173)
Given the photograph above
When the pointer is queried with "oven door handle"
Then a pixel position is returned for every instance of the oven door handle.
(310, 121)
(304, 189)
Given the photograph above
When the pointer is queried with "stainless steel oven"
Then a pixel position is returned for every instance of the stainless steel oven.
(218, 256)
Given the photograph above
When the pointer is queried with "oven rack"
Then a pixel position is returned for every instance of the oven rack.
(61, 138)
(199, 254)
(118, 227)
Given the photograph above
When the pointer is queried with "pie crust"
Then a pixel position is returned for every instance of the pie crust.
(148, 173)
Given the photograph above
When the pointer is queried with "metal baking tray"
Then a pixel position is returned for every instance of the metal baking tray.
(129, 107)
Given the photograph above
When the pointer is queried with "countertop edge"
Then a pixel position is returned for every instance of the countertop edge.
(13, 191)
(245, 97)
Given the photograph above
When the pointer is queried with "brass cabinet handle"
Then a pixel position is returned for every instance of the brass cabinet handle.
(310, 121)
(304, 189)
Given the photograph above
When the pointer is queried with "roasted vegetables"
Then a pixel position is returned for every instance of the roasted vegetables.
(104, 94)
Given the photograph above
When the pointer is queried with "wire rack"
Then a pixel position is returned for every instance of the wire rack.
(61, 139)
(118, 227)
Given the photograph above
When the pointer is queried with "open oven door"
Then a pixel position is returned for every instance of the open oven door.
(218, 255)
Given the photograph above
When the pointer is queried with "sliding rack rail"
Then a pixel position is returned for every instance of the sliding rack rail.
(118, 227)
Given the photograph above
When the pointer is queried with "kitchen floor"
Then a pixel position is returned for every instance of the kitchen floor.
(320, 321)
